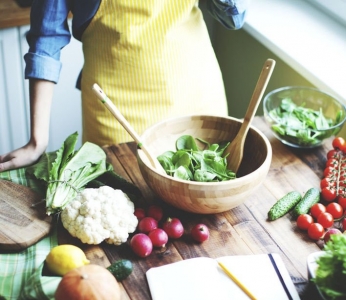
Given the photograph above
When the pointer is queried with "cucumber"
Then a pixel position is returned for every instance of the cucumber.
(284, 205)
(311, 197)
(121, 269)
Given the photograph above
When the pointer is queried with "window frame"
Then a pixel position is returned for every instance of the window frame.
(335, 8)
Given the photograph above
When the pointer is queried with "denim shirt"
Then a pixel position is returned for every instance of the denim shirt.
(49, 31)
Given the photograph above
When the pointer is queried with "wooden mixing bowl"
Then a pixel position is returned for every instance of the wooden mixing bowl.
(205, 197)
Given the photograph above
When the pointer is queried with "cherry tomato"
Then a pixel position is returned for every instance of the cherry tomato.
(315, 231)
(317, 209)
(335, 210)
(342, 182)
(338, 143)
(304, 221)
(332, 162)
(327, 182)
(342, 201)
(329, 172)
(326, 220)
(341, 191)
(328, 193)
(332, 154)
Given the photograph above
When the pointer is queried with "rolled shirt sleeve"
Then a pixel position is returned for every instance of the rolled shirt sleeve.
(230, 13)
(48, 34)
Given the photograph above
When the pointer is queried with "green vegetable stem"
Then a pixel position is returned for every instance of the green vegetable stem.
(66, 171)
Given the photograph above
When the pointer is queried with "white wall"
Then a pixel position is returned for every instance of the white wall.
(14, 93)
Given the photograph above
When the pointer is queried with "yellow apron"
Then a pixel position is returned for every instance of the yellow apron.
(154, 60)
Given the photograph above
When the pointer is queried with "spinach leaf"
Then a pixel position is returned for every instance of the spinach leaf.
(301, 125)
(191, 163)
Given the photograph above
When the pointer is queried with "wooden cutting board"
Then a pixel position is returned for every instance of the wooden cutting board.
(21, 224)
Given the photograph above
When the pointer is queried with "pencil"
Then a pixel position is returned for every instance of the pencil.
(236, 281)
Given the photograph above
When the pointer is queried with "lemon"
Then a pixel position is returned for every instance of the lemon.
(64, 258)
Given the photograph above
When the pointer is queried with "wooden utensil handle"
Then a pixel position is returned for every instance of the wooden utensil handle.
(118, 115)
(261, 85)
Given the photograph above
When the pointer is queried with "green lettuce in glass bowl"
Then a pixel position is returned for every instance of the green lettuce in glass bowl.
(327, 268)
(303, 117)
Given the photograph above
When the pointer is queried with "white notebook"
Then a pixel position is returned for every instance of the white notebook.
(201, 278)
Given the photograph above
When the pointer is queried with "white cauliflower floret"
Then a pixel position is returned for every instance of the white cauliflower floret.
(98, 215)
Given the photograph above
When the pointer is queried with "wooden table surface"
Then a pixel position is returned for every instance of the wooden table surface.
(242, 230)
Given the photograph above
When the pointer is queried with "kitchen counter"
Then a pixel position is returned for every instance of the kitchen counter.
(13, 15)
(239, 231)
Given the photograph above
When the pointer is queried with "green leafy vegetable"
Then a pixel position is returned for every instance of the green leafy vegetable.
(67, 171)
(331, 271)
(191, 163)
(301, 125)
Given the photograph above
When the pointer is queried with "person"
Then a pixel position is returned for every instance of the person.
(153, 59)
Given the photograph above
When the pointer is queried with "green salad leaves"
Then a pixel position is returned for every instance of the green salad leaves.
(331, 272)
(66, 171)
(301, 125)
(194, 164)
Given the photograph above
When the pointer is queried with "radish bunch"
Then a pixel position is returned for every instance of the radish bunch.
(154, 232)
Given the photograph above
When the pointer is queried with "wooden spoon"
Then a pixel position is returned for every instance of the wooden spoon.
(117, 114)
(235, 149)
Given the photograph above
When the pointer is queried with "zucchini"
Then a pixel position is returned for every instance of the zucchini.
(115, 181)
(121, 269)
(284, 205)
(94, 184)
(311, 197)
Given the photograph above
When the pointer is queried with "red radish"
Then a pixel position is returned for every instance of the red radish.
(329, 232)
(200, 233)
(155, 212)
(173, 228)
(139, 213)
(141, 245)
(147, 224)
(158, 237)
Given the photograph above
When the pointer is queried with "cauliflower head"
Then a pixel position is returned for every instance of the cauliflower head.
(102, 214)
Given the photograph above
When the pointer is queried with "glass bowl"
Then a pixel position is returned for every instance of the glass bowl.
(303, 117)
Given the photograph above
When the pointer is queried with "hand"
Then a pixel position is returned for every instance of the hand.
(20, 157)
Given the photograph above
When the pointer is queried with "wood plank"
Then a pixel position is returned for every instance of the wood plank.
(288, 172)
(242, 230)
(126, 154)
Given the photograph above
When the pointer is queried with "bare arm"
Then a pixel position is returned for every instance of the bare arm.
(41, 94)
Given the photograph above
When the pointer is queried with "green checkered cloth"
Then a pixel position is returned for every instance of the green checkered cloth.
(21, 273)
